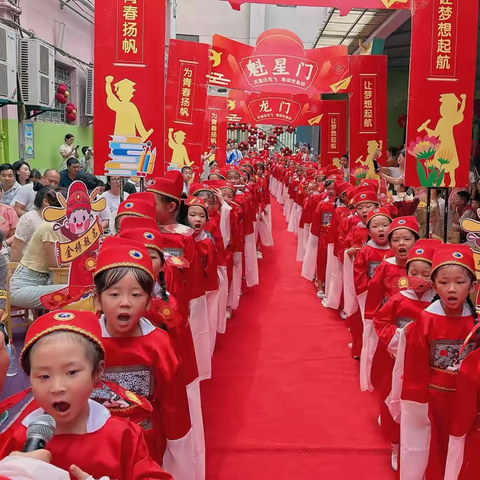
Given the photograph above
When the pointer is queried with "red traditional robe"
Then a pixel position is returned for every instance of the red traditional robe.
(147, 365)
(432, 361)
(463, 461)
(112, 447)
(401, 309)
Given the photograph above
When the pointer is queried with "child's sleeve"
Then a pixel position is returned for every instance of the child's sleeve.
(415, 426)
(465, 414)
(360, 270)
(225, 223)
(376, 292)
(384, 322)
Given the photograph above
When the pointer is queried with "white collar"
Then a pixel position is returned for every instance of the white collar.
(145, 327)
(426, 297)
(391, 260)
(373, 244)
(97, 416)
(437, 308)
(201, 236)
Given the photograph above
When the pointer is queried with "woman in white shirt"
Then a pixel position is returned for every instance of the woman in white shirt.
(112, 197)
(31, 221)
(67, 150)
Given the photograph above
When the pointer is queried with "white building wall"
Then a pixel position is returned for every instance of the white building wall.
(208, 17)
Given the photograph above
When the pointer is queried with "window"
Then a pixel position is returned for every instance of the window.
(63, 75)
(188, 38)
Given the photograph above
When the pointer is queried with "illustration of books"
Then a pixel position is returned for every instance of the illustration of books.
(130, 157)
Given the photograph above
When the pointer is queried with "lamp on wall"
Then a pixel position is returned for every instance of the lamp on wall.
(59, 34)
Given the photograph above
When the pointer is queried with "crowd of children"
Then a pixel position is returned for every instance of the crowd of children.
(406, 303)
(120, 370)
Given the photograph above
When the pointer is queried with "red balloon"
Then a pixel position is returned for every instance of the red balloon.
(61, 88)
(71, 117)
(69, 109)
(61, 98)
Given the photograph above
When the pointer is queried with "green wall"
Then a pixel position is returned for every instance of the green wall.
(397, 96)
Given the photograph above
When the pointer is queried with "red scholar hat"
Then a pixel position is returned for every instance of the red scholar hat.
(83, 323)
(423, 250)
(119, 252)
(366, 197)
(246, 161)
(448, 254)
(335, 177)
(232, 168)
(221, 172)
(144, 231)
(409, 223)
(167, 187)
(196, 202)
(370, 182)
(138, 205)
(78, 198)
(377, 212)
(341, 187)
(333, 170)
(200, 187)
(227, 184)
(177, 177)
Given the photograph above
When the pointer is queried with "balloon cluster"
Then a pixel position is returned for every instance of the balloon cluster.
(286, 151)
(252, 140)
(262, 135)
(290, 129)
(278, 130)
(242, 146)
(71, 111)
(272, 139)
(62, 94)
(253, 130)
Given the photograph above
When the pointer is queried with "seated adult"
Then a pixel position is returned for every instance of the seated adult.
(33, 277)
(10, 186)
(69, 175)
(29, 223)
(112, 196)
(128, 186)
(8, 224)
(24, 201)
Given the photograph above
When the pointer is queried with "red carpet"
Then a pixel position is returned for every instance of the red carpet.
(284, 401)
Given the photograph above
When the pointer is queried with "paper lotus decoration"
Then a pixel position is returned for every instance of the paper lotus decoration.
(430, 165)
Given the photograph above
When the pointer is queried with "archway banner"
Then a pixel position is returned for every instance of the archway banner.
(343, 5)
(278, 63)
(441, 92)
(367, 114)
(333, 132)
(215, 133)
(185, 103)
(129, 88)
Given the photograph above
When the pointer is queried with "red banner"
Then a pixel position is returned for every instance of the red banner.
(441, 92)
(368, 114)
(215, 134)
(129, 72)
(333, 134)
(343, 5)
(278, 64)
(186, 99)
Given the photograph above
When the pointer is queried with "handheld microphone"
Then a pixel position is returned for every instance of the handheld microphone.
(39, 433)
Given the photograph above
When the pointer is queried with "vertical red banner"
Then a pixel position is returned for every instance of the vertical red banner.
(215, 134)
(129, 87)
(333, 134)
(185, 106)
(368, 113)
(441, 92)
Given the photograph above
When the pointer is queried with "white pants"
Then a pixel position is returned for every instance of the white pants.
(199, 324)
(236, 286)
(196, 417)
(251, 262)
(213, 298)
(222, 298)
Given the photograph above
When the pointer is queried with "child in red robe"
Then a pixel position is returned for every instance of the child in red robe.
(401, 309)
(366, 262)
(434, 351)
(65, 359)
(402, 235)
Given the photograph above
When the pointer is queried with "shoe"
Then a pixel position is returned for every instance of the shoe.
(259, 255)
(343, 315)
(321, 294)
(324, 303)
(394, 457)
(228, 313)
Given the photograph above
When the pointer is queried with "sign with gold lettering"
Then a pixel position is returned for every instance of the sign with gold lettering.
(129, 87)
(333, 132)
(186, 99)
(441, 92)
(215, 134)
(368, 112)
(278, 63)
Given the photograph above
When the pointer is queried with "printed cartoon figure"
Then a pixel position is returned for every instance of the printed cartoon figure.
(374, 150)
(75, 220)
(179, 155)
(128, 121)
(451, 114)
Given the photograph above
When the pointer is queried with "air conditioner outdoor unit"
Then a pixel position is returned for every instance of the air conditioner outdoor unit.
(8, 64)
(37, 67)
(89, 94)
